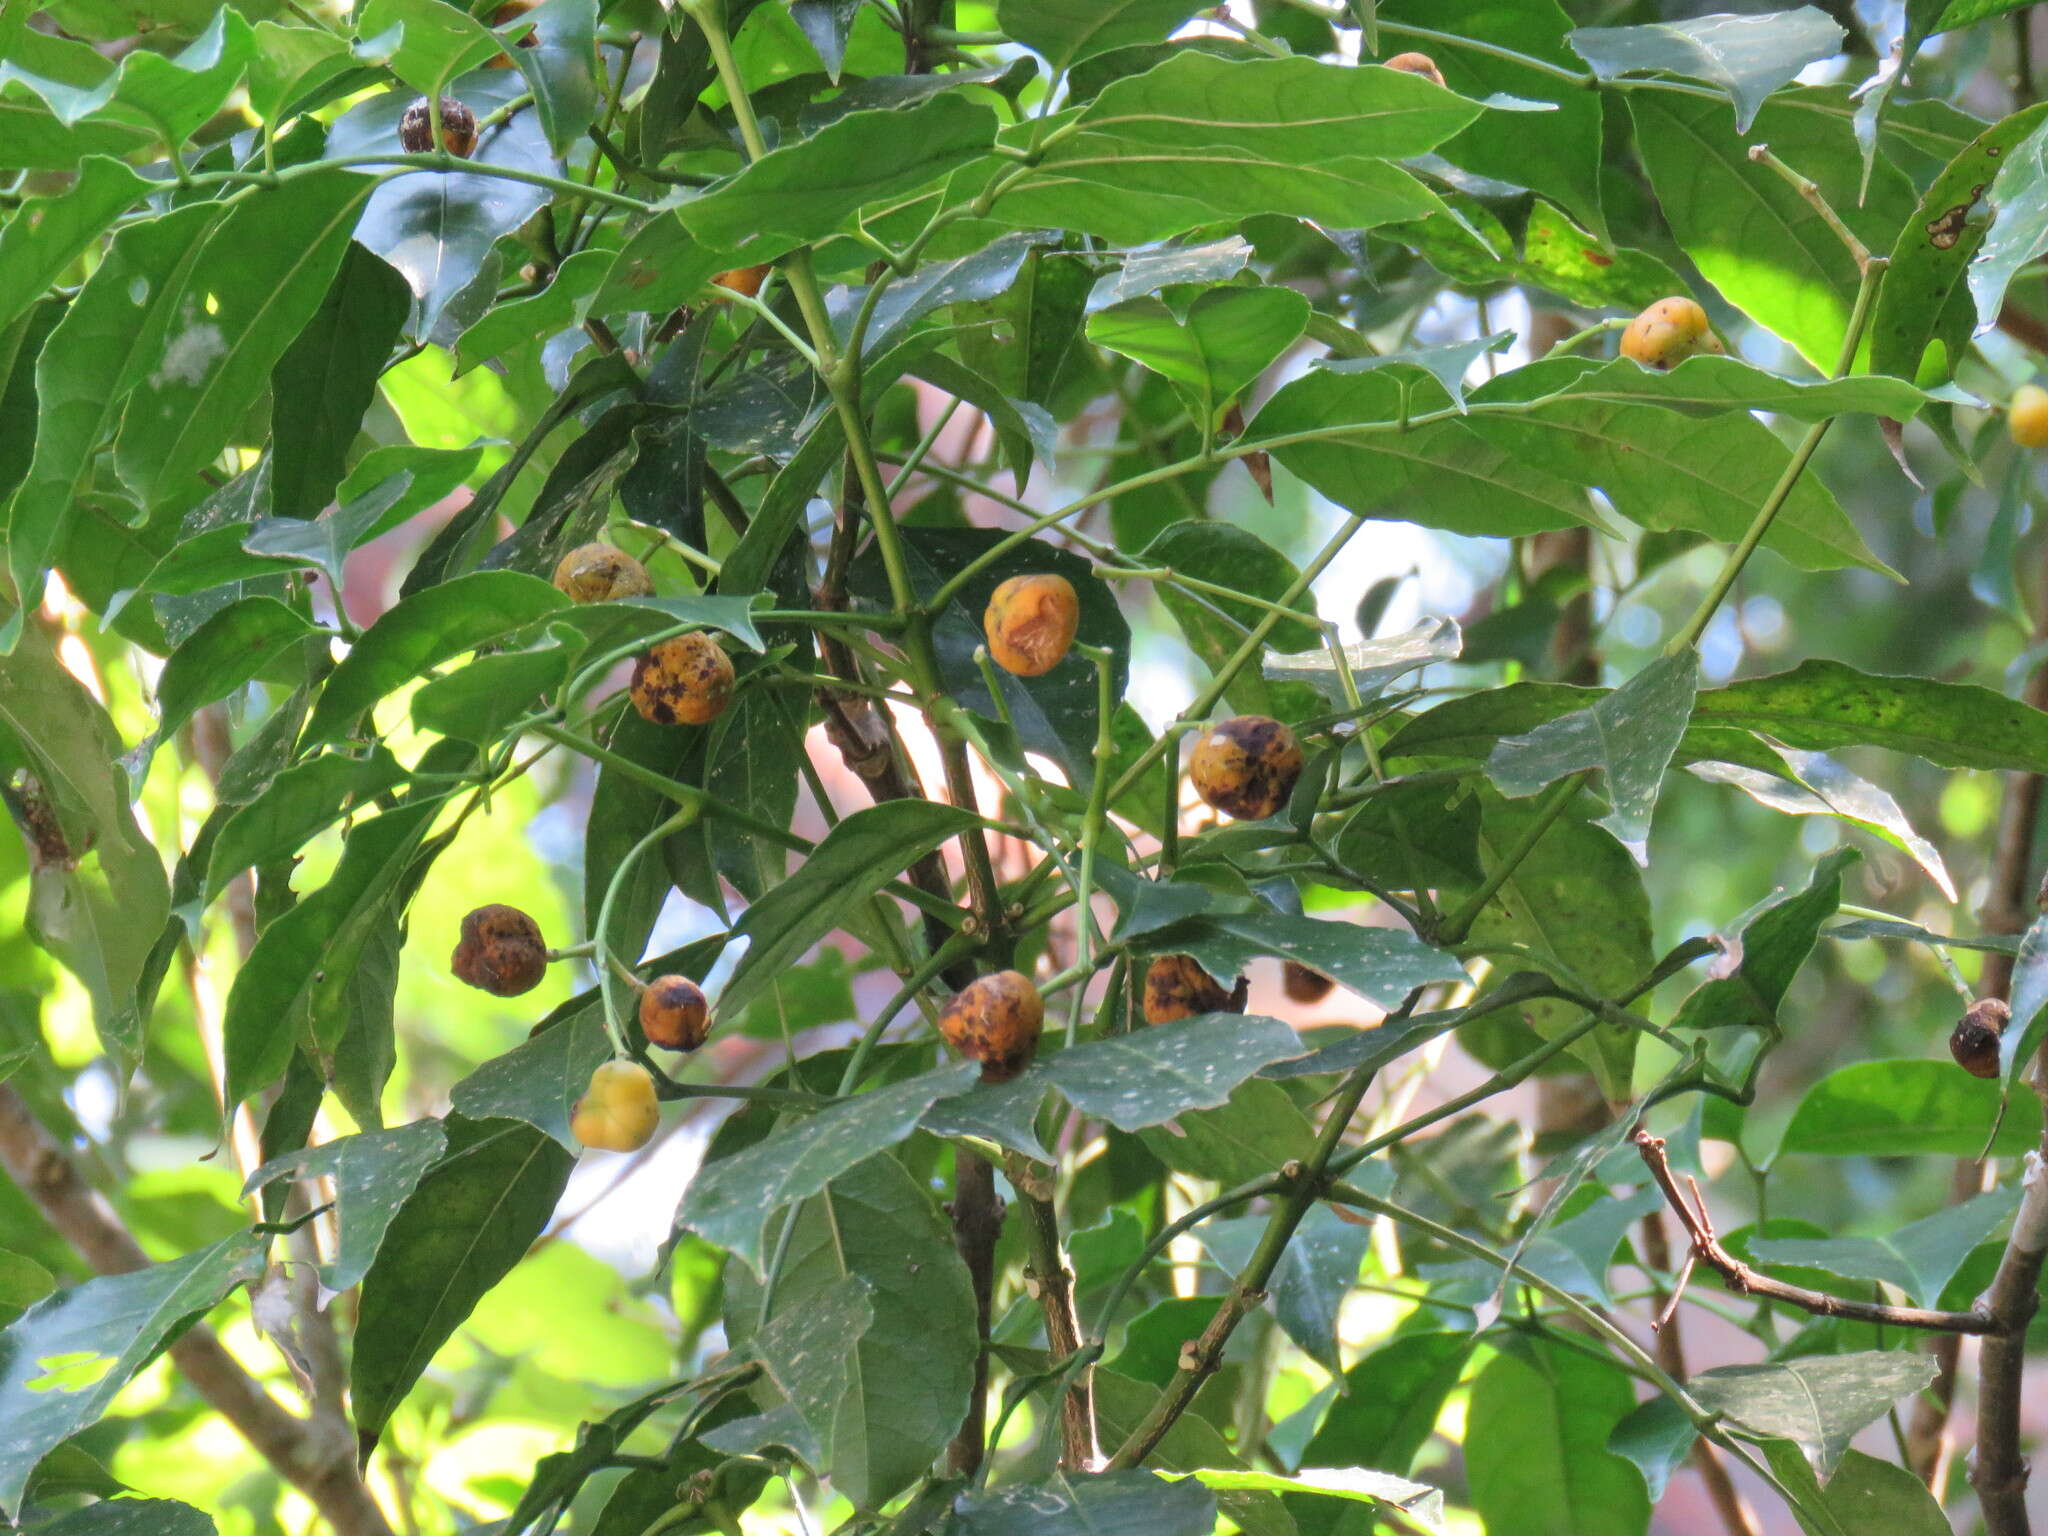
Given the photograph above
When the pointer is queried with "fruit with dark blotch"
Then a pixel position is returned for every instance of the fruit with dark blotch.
(1176, 987)
(1417, 64)
(1030, 623)
(1975, 1040)
(995, 1021)
(673, 1013)
(618, 1111)
(745, 281)
(1246, 766)
(458, 128)
(1667, 333)
(684, 680)
(1303, 985)
(597, 573)
(500, 951)
(2027, 417)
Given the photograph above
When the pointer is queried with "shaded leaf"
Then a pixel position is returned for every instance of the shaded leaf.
(1766, 954)
(374, 1174)
(1382, 964)
(1817, 1402)
(1540, 1417)
(1909, 1109)
(1315, 1274)
(1918, 1259)
(1136, 1503)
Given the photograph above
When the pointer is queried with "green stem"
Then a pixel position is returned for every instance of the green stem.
(608, 964)
(423, 162)
(1555, 799)
(1092, 820)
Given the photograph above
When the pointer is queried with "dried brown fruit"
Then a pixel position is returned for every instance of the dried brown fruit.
(673, 1013)
(744, 280)
(1975, 1040)
(458, 128)
(1246, 766)
(596, 573)
(2026, 418)
(1303, 985)
(500, 951)
(1667, 333)
(1417, 64)
(1176, 987)
(618, 1111)
(1030, 623)
(995, 1021)
(684, 680)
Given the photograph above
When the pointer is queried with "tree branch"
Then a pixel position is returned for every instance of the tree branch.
(1741, 1277)
(1999, 1472)
(319, 1466)
(1051, 1281)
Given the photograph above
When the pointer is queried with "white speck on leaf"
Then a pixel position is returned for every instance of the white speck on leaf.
(189, 355)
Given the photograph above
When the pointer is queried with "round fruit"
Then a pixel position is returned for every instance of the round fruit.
(618, 1111)
(458, 128)
(673, 1014)
(995, 1021)
(1417, 64)
(595, 573)
(1246, 766)
(2027, 417)
(1176, 987)
(500, 951)
(1974, 1043)
(1302, 984)
(1667, 333)
(744, 280)
(685, 680)
(1030, 623)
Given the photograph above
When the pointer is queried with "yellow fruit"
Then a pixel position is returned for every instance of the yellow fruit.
(1667, 333)
(1030, 623)
(673, 1014)
(685, 680)
(596, 573)
(1246, 766)
(1417, 64)
(2027, 417)
(744, 280)
(500, 951)
(995, 1021)
(618, 1111)
(1176, 987)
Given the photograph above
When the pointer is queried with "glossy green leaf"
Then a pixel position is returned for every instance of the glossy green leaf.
(1315, 1274)
(1919, 1259)
(289, 63)
(1130, 1503)
(1747, 56)
(1228, 338)
(131, 1517)
(1538, 1426)
(1817, 1402)
(471, 1218)
(293, 807)
(1253, 1132)
(1629, 735)
(1910, 1109)
(730, 1201)
(1767, 953)
(1383, 964)
(1067, 31)
(168, 94)
(438, 41)
(2019, 223)
(47, 234)
(516, 323)
(561, 66)
(374, 1174)
(66, 1359)
(423, 631)
(225, 652)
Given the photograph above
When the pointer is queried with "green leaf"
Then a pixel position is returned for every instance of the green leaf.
(471, 1219)
(1820, 786)
(1773, 943)
(1924, 301)
(730, 1201)
(2019, 224)
(479, 700)
(1255, 1131)
(170, 95)
(1747, 56)
(131, 1517)
(1865, 1497)
(288, 64)
(98, 899)
(1910, 1109)
(66, 1359)
(753, 762)
(105, 344)
(1386, 1412)
(1657, 1437)
(374, 1174)
(225, 652)
(1316, 1272)
(326, 379)
(1201, 138)
(561, 66)
(1382, 964)
(437, 42)
(1629, 735)
(1817, 1402)
(423, 631)
(23, 1282)
(258, 281)
(293, 807)
(1191, 1445)
(1536, 1433)
(506, 327)
(1129, 1503)
(1233, 557)
(1372, 663)
(1918, 1259)
(2029, 1022)
(47, 234)
(1705, 384)
(1067, 31)
(910, 1375)
(1143, 1078)
(1787, 270)
(803, 189)
(1229, 337)
(1417, 1502)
